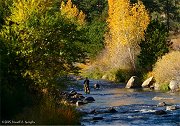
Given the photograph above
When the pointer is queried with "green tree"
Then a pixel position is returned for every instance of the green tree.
(94, 9)
(154, 46)
(4, 10)
(95, 32)
(167, 10)
(50, 43)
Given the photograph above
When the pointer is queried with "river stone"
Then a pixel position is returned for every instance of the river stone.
(156, 86)
(79, 103)
(174, 85)
(73, 100)
(148, 82)
(171, 107)
(89, 99)
(72, 93)
(97, 118)
(96, 86)
(160, 112)
(111, 110)
(133, 82)
(161, 104)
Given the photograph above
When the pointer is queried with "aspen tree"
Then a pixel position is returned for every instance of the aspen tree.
(127, 23)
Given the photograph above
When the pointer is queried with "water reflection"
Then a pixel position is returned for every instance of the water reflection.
(121, 96)
(134, 106)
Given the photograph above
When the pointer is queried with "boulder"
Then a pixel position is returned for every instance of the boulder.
(112, 110)
(171, 108)
(148, 82)
(156, 86)
(89, 99)
(72, 93)
(161, 104)
(133, 82)
(174, 85)
(79, 103)
(96, 86)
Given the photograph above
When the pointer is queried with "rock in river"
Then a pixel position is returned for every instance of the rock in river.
(160, 112)
(133, 82)
(171, 107)
(174, 85)
(79, 103)
(89, 99)
(148, 82)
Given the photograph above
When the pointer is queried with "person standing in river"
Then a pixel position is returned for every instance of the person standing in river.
(86, 86)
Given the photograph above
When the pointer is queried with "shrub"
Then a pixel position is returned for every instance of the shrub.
(94, 73)
(123, 75)
(164, 87)
(47, 112)
(167, 68)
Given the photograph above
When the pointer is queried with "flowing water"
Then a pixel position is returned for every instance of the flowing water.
(135, 107)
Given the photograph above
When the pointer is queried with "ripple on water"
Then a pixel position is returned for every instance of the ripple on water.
(135, 108)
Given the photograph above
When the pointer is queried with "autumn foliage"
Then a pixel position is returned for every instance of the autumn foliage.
(127, 23)
(167, 68)
(72, 12)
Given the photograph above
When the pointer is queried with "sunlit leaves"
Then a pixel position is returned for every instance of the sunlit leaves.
(127, 23)
(49, 42)
(71, 12)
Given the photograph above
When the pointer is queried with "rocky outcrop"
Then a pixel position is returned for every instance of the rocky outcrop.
(174, 85)
(133, 82)
(147, 83)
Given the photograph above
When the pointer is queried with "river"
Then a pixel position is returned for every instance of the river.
(135, 107)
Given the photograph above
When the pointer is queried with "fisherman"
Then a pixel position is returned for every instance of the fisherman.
(86, 86)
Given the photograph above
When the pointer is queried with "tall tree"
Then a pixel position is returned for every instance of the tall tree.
(154, 46)
(167, 11)
(49, 43)
(126, 24)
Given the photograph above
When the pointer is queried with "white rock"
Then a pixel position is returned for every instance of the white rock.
(148, 82)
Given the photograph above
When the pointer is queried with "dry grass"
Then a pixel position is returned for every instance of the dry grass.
(167, 68)
(49, 113)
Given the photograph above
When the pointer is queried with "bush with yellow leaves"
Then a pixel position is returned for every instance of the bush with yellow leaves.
(167, 68)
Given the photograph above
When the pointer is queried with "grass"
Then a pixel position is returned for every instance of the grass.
(164, 87)
(167, 68)
(49, 113)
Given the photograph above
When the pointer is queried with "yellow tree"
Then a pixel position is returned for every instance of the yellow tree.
(127, 23)
(23, 9)
(71, 12)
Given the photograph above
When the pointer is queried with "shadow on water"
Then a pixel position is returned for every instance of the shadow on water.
(134, 107)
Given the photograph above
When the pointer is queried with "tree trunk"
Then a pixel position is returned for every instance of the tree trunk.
(131, 55)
